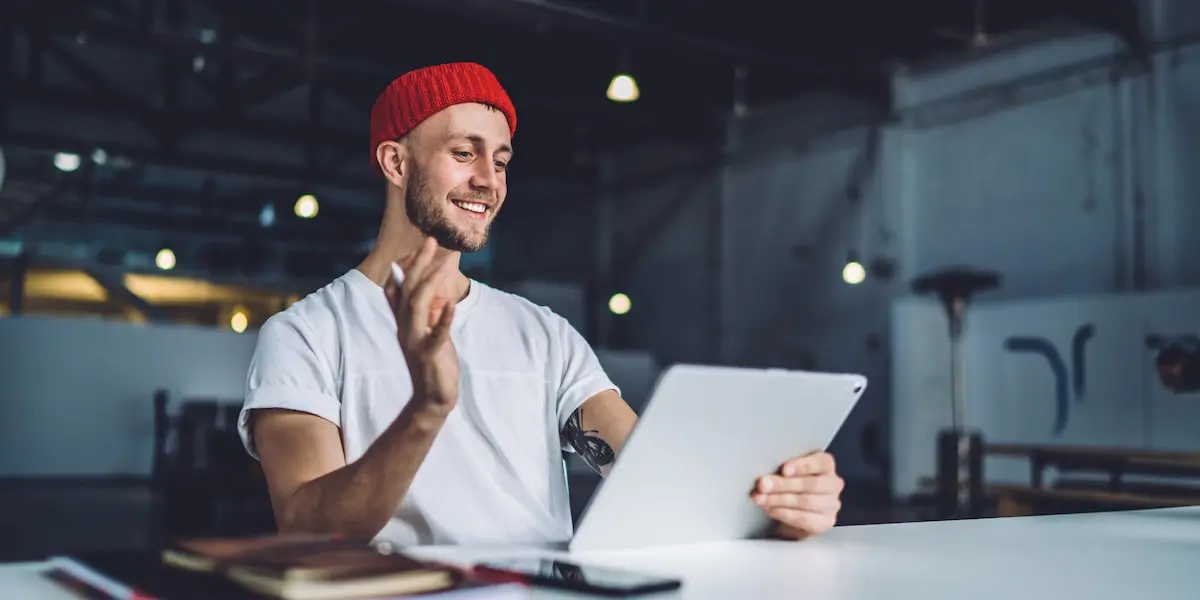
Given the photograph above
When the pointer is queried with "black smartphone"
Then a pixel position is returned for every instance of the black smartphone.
(565, 575)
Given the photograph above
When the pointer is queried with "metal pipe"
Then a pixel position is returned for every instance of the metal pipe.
(957, 381)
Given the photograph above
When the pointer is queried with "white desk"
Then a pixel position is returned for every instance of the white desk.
(1137, 555)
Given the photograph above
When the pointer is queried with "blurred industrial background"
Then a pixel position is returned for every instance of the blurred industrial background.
(755, 183)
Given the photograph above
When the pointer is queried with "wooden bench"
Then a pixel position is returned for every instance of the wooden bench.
(1020, 500)
(1075, 494)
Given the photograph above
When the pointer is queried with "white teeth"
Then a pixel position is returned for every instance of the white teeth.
(474, 207)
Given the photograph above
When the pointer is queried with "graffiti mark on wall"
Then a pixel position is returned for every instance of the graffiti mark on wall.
(1079, 341)
(1068, 380)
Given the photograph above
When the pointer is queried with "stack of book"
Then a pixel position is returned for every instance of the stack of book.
(282, 567)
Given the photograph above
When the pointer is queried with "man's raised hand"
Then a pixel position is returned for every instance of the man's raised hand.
(423, 305)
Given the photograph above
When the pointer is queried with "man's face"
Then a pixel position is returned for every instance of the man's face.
(457, 178)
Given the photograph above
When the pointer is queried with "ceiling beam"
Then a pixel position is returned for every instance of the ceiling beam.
(284, 131)
(152, 155)
(869, 83)
(283, 69)
(113, 281)
(109, 30)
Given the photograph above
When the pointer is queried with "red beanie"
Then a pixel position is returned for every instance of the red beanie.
(417, 95)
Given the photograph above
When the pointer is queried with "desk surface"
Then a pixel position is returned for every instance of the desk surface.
(1150, 554)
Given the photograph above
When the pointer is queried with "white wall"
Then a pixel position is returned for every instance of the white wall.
(1012, 397)
(1066, 169)
(1032, 179)
(77, 395)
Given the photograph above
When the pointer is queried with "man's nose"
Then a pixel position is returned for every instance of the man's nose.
(485, 176)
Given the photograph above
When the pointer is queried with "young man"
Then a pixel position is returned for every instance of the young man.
(434, 409)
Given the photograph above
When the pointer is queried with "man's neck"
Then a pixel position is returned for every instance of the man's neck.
(377, 265)
(398, 237)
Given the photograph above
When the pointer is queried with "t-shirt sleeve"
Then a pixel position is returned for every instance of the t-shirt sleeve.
(582, 375)
(289, 369)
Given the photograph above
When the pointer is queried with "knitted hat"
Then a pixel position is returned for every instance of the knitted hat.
(417, 95)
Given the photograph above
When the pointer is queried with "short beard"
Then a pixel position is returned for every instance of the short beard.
(429, 216)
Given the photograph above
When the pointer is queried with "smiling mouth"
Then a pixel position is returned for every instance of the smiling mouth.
(476, 209)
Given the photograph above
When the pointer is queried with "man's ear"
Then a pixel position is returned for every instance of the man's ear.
(391, 155)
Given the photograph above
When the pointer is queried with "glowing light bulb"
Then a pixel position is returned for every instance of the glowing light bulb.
(239, 321)
(853, 273)
(619, 304)
(66, 162)
(307, 207)
(623, 88)
(165, 259)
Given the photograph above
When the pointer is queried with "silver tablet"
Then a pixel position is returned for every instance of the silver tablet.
(704, 438)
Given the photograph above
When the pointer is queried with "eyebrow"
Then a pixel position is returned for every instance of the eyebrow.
(478, 140)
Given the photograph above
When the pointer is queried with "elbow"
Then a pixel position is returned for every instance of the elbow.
(291, 520)
(298, 516)
(354, 529)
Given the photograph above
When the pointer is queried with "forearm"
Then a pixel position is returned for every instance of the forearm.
(358, 499)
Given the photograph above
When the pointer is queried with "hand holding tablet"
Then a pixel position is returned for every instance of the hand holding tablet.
(697, 458)
(803, 498)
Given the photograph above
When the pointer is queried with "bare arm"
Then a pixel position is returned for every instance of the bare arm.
(597, 430)
(312, 488)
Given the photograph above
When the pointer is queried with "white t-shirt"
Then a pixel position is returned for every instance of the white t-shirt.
(494, 473)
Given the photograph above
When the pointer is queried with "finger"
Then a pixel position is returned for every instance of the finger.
(437, 278)
(805, 484)
(818, 503)
(436, 308)
(425, 258)
(429, 265)
(441, 331)
(393, 294)
(802, 522)
(415, 272)
(397, 275)
(817, 463)
(424, 298)
(438, 266)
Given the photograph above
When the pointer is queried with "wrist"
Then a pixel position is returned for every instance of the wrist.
(429, 399)
(426, 414)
